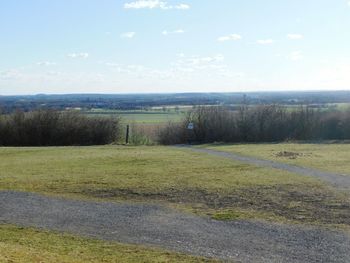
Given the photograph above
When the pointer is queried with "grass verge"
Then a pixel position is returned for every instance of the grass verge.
(27, 245)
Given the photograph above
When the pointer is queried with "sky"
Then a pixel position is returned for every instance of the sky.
(161, 46)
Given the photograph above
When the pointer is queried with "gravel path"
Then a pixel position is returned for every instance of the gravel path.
(158, 226)
(338, 180)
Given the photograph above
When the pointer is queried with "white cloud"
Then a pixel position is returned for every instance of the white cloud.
(46, 63)
(265, 41)
(184, 67)
(296, 55)
(178, 31)
(154, 4)
(205, 60)
(112, 64)
(182, 6)
(295, 36)
(194, 63)
(78, 55)
(53, 73)
(144, 4)
(233, 37)
(9, 74)
(139, 71)
(128, 35)
(195, 67)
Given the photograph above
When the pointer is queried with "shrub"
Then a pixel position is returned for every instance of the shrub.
(269, 123)
(55, 128)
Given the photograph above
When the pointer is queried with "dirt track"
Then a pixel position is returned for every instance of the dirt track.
(158, 226)
(337, 180)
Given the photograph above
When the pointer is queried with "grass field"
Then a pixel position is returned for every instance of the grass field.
(196, 182)
(339, 106)
(151, 118)
(156, 116)
(26, 245)
(327, 157)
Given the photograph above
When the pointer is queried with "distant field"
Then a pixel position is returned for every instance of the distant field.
(158, 115)
(153, 118)
(196, 182)
(323, 107)
(141, 117)
(327, 157)
(26, 245)
(339, 106)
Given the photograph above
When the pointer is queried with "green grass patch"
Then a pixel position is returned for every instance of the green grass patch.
(75, 169)
(331, 157)
(27, 245)
(227, 215)
(151, 118)
(140, 116)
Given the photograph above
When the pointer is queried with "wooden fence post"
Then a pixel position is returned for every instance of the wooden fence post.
(127, 134)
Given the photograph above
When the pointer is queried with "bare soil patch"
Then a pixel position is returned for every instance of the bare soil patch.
(297, 203)
(291, 155)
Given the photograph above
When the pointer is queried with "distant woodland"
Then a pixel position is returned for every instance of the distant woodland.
(144, 101)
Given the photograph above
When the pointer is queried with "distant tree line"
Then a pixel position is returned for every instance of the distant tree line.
(270, 123)
(140, 101)
(56, 128)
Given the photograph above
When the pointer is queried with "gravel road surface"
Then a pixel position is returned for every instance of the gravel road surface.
(337, 180)
(153, 225)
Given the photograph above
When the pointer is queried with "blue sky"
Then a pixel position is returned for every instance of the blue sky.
(131, 46)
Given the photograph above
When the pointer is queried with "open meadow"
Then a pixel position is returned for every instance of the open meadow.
(195, 182)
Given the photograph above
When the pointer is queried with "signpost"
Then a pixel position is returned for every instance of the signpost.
(190, 126)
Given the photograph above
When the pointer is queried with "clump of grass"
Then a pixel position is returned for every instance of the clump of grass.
(227, 215)
(234, 214)
(143, 134)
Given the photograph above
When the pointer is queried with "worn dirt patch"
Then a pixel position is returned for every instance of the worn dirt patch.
(297, 203)
(291, 155)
